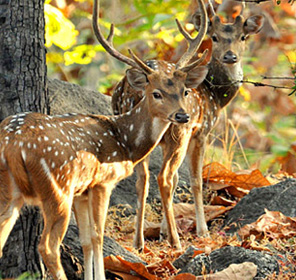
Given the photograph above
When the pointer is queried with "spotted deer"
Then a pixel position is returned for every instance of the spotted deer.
(56, 162)
(217, 90)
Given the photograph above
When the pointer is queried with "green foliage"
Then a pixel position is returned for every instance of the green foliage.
(27, 276)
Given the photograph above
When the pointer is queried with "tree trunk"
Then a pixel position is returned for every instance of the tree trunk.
(22, 57)
(23, 88)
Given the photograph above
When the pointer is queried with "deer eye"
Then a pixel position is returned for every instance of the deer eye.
(215, 38)
(187, 91)
(157, 95)
(243, 38)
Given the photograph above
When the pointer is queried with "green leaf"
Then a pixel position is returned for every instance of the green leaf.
(280, 150)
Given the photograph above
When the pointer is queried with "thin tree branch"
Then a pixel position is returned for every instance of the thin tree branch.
(253, 1)
(277, 78)
(259, 84)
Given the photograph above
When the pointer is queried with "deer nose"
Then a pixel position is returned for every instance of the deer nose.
(230, 57)
(182, 117)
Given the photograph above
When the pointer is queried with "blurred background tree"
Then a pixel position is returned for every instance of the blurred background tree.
(257, 130)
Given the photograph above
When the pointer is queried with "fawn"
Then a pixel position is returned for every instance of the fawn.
(56, 162)
(217, 90)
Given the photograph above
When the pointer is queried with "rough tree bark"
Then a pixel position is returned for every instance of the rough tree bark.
(22, 57)
(23, 87)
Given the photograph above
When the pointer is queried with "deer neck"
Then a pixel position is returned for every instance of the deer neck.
(223, 81)
(140, 132)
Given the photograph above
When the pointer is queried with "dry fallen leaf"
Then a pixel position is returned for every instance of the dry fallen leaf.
(242, 271)
(118, 265)
(161, 268)
(272, 224)
(237, 183)
(288, 162)
(220, 200)
(139, 268)
(184, 276)
(185, 218)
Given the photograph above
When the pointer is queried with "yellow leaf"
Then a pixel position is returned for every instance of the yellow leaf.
(59, 30)
(291, 56)
(245, 93)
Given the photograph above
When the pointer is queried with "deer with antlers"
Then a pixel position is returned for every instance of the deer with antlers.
(217, 90)
(56, 162)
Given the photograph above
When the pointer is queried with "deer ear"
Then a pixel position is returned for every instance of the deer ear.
(253, 24)
(136, 78)
(196, 76)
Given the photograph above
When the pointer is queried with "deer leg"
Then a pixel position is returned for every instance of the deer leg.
(173, 155)
(81, 212)
(10, 205)
(164, 226)
(56, 219)
(195, 156)
(142, 187)
(98, 204)
(9, 212)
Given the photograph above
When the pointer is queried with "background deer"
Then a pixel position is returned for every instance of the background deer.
(54, 162)
(217, 90)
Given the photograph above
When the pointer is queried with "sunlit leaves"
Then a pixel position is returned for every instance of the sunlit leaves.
(59, 30)
(82, 54)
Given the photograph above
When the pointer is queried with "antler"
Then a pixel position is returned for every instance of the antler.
(194, 43)
(213, 13)
(108, 43)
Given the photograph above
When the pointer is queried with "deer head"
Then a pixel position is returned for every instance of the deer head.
(229, 39)
(159, 84)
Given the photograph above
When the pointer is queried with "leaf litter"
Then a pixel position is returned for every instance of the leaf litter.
(271, 232)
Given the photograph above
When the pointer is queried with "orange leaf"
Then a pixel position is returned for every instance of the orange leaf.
(126, 276)
(160, 267)
(114, 264)
(246, 180)
(184, 276)
(139, 268)
(214, 211)
(237, 192)
(273, 224)
(186, 210)
(220, 200)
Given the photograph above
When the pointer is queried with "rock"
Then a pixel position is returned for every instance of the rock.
(279, 197)
(220, 259)
(111, 247)
(70, 98)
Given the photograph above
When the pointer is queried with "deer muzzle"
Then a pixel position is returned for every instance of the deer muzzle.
(230, 58)
(182, 117)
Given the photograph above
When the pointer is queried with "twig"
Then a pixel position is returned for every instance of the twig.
(253, 1)
(259, 84)
(277, 78)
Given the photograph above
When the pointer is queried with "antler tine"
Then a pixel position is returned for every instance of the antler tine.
(212, 8)
(107, 43)
(243, 6)
(194, 43)
(140, 63)
(187, 68)
(111, 35)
